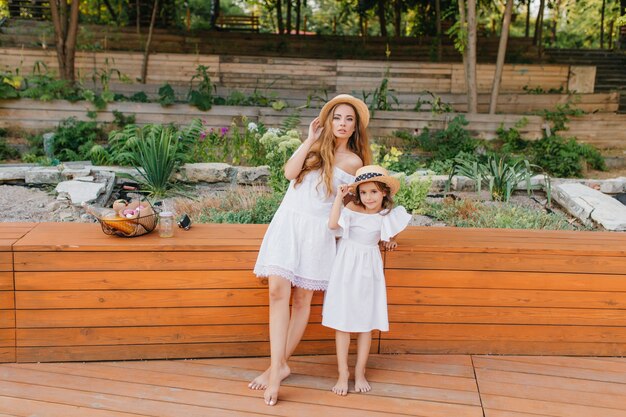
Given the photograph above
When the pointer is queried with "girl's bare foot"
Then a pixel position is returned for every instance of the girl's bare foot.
(361, 384)
(341, 387)
(271, 394)
(262, 381)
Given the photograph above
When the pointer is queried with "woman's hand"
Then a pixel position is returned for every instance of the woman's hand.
(315, 130)
(391, 245)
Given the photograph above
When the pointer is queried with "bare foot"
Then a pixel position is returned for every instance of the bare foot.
(262, 381)
(341, 387)
(271, 392)
(361, 384)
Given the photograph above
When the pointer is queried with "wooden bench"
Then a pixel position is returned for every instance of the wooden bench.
(247, 23)
(81, 295)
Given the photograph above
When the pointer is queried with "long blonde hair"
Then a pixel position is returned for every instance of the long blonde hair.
(322, 153)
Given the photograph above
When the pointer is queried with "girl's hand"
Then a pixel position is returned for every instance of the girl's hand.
(315, 130)
(342, 191)
(391, 245)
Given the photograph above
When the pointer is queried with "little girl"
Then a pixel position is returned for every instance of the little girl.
(356, 298)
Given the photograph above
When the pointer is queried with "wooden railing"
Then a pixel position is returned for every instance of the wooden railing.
(82, 295)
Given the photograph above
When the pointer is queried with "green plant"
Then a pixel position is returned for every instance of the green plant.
(563, 157)
(104, 75)
(261, 212)
(167, 97)
(73, 139)
(7, 151)
(139, 97)
(468, 213)
(512, 141)
(447, 143)
(121, 120)
(560, 116)
(412, 193)
(279, 147)
(437, 105)
(45, 87)
(499, 174)
(155, 157)
(202, 97)
(11, 85)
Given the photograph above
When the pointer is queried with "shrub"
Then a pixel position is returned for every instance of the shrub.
(447, 143)
(412, 193)
(468, 213)
(279, 147)
(73, 139)
(564, 157)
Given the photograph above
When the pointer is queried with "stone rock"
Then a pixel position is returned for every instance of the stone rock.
(43, 175)
(211, 172)
(132, 172)
(13, 173)
(462, 183)
(79, 191)
(438, 182)
(48, 144)
(108, 178)
(74, 173)
(253, 175)
(591, 205)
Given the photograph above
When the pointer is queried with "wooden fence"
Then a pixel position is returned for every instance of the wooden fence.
(324, 75)
(82, 295)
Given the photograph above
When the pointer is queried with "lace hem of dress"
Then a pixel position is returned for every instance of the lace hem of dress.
(296, 281)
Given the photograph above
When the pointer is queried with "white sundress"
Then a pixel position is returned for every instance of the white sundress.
(298, 244)
(356, 298)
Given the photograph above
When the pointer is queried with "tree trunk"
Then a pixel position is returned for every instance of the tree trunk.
(602, 24)
(110, 10)
(146, 54)
(472, 88)
(215, 13)
(504, 37)
(539, 25)
(298, 15)
(527, 32)
(138, 19)
(65, 32)
(398, 17)
(288, 2)
(463, 24)
(279, 17)
(438, 28)
(381, 17)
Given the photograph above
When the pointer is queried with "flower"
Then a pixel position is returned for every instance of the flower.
(223, 131)
(252, 127)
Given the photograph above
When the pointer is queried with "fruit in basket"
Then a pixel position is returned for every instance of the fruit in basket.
(119, 205)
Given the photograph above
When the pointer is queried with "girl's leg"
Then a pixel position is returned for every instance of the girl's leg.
(364, 341)
(300, 312)
(280, 291)
(342, 342)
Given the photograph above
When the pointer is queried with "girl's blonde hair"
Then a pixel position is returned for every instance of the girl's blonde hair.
(387, 203)
(322, 153)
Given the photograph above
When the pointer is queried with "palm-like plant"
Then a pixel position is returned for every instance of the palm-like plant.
(499, 174)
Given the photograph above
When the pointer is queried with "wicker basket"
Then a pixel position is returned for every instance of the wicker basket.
(129, 227)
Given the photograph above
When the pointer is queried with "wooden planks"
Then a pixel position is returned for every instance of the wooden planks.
(515, 292)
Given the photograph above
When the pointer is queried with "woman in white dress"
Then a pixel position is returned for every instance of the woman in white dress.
(356, 298)
(298, 248)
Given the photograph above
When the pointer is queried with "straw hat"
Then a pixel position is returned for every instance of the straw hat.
(359, 105)
(377, 173)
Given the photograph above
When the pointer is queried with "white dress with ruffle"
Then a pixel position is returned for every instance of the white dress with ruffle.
(298, 244)
(356, 298)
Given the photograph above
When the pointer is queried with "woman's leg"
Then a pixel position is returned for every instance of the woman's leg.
(300, 312)
(342, 342)
(279, 291)
(364, 341)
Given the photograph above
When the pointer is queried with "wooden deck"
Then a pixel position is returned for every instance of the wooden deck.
(403, 385)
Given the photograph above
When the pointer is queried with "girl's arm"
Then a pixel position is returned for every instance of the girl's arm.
(335, 211)
(295, 164)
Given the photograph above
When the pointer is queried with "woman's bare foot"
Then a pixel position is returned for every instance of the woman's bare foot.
(262, 381)
(341, 387)
(271, 392)
(361, 384)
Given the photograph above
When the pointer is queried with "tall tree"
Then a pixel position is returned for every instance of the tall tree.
(537, 38)
(504, 37)
(298, 15)
(215, 12)
(146, 54)
(65, 32)
(288, 4)
(397, 8)
(279, 17)
(472, 87)
(382, 18)
(438, 30)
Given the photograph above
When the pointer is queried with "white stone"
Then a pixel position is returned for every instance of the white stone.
(439, 182)
(75, 173)
(253, 175)
(462, 183)
(43, 175)
(13, 173)
(590, 205)
(80, 191)
(211, 172)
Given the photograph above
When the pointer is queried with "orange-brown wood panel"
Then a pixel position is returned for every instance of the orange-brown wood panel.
(125, 280)
(157, 335)
(512, 298)
(7, 300)
(496, 332)
(505, 315)
(170, 351)
(508, 262)
(6, 261)
(504, 280)
(132, 261)
(7, 319)
(6, 281)
(502, 347)
(128, 317)
(144, 298)
(7, 354)
(7, 337)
